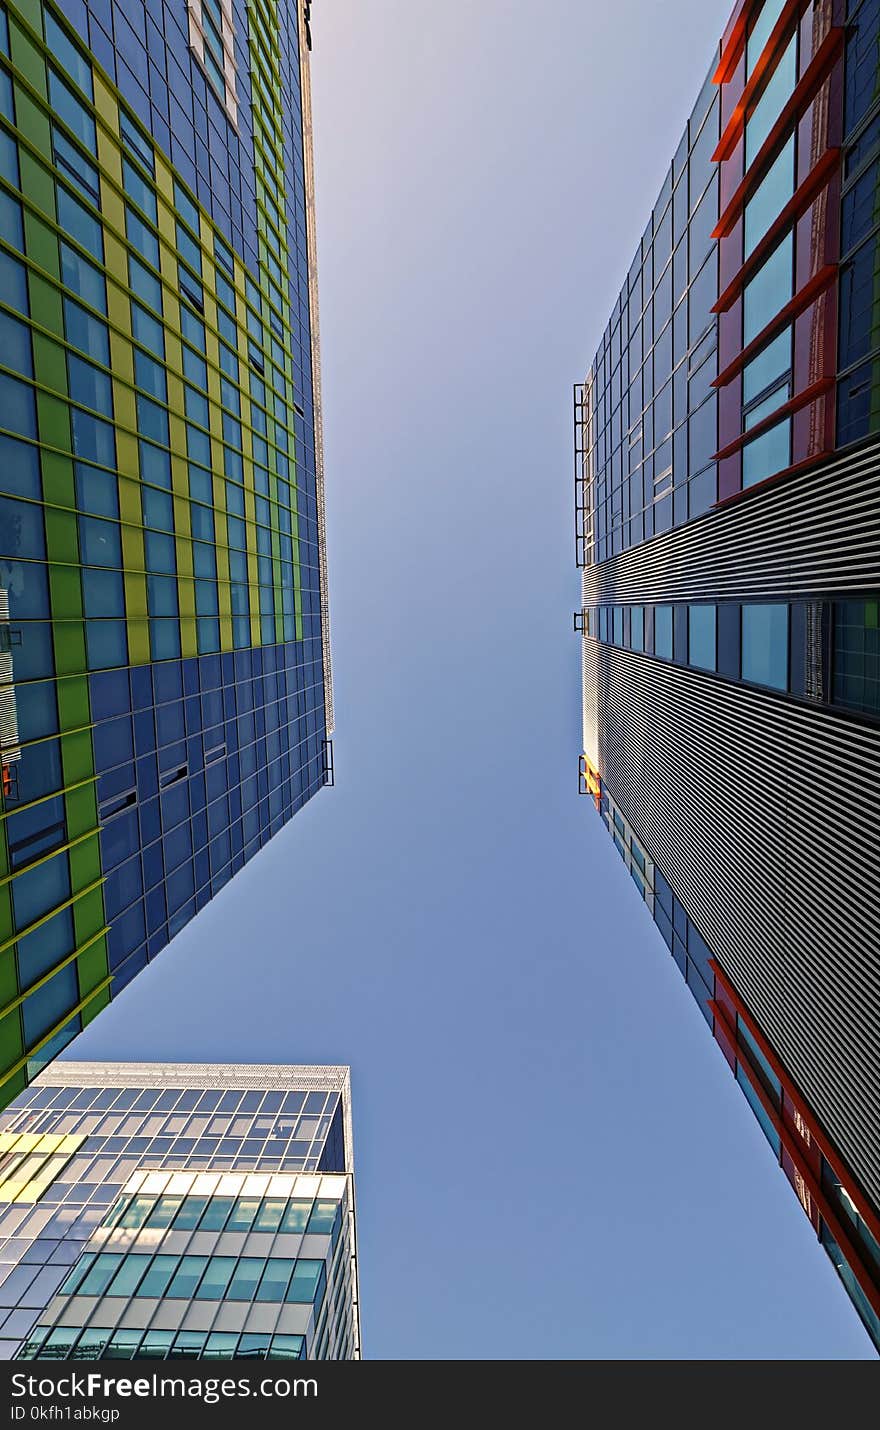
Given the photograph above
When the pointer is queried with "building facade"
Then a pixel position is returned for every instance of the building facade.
(728, 527)
(165, 693)
(178, 1212)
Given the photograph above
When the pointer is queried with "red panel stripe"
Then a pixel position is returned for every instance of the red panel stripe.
(733, 41)
(798, 203)
(866, 1212)
(795, 305)
(736, 122)
(814, 1187)
(801, 95)
(800, 399)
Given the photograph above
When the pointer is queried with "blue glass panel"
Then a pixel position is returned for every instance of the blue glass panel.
(701, 637)
(663, 632)
(45, 946)
(772, 101)
(83, 278)
(93, 440)
(89, 385)
(769, 290)
(75, 220)
(17, 408)
(761, 29)
(15, 345)
(106, 644)
(765, 645)
(71, 110)
(68, 55)
(771, 364)
(770, 197)
(47, 1005)
(768, 454)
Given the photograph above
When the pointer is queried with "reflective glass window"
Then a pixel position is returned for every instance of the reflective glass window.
(159, 1273)
(663, 632)
(305, 1281)
(770, 197)
(245, 1279)
(772, 101)
(75, 220)
(769, 290)
(128, 1277)
(296, 1216)
(67, 54)
(100, 1274)
(765, 645)
(187, 1276)
(768, 454)
(765, 370)
(275, 1279)
(213, 1285)
(701, 637)
(72, 111)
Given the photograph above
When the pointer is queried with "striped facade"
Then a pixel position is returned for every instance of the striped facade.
(730, 646)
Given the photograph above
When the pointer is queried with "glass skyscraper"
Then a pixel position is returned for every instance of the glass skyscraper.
(727, 458)
(165, 695)
(168, 1211)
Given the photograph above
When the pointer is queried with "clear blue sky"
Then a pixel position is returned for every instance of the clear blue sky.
(552, 1158)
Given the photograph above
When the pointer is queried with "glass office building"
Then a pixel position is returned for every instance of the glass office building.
(178, 1212)
(165, 696)
(727, 459)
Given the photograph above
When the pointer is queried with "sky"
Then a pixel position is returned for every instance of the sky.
(552, 1158)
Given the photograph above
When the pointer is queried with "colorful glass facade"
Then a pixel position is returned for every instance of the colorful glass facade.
(726, 494)
(165, 703)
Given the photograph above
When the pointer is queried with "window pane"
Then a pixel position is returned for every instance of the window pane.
(72, 111)
(304, 1281)
(155, 1345)
(269, 1216)
(761, 30)
(163, 1212)
(701, 637)
(136, 1213)
(242, 1215)
(275, 1279)
(856, 661)
(770, 197)
(99, 1275)
(128, 1276)
(663, 632)
(67, 54)
(772, 101)
(187, 1276)
(323, 1218)
(83, 278)
(769, 290)
(768, 454)
(156, 1280)
(765, 645)
(771, 363)
(214, 1218)
(216, 1278)
(75, 220)
(244, 1282)
(137, 188)
(859, 305)
(86, 332)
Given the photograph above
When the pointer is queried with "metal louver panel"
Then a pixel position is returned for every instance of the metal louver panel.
(815, 533)
(762, 814)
